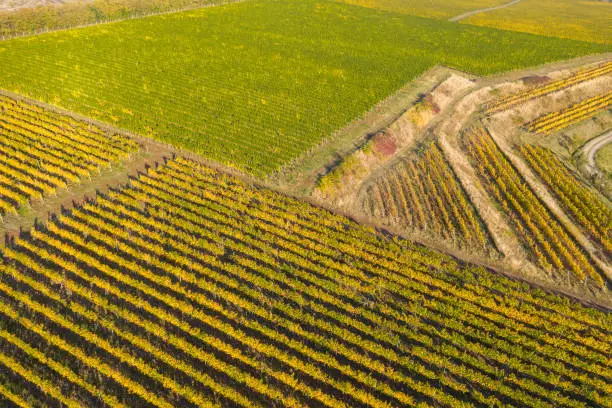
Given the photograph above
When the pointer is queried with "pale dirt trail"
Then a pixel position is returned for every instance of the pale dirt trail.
(448, 133)
(482, 10)
(592, 146)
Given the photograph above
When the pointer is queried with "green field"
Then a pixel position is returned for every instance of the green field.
(575, 19)
(253, 85)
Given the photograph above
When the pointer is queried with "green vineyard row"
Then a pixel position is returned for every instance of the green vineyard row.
(42, 151)
(259, 94)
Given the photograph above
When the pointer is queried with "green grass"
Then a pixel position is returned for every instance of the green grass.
(575, 19)
(253, 85)
(603, 158)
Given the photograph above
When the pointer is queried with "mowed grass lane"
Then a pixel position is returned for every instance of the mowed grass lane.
(253, 85)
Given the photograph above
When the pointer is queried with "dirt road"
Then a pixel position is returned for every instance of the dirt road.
(592, 146)
(482, 10)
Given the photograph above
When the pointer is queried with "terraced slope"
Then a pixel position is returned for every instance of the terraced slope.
(191, 288)
(258, 93)
(555, 121)
(550, 244)
(518, 98)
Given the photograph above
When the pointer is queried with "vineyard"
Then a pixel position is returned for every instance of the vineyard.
(190, 288)
(301, 203)
(518, 98)
(585, 21)
(555, 121)
(586, 208)
(424, 194)
(259, 94)
(42, 151)
(550, 244)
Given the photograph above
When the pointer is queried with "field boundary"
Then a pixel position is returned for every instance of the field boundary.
(300, 174)
(325, 155)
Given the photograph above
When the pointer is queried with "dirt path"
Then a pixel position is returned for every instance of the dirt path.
(118, 174)
(448, 138)
(482, 10)
(592, 146)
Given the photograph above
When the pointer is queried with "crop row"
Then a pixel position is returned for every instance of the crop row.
(573, 114)
(550, 244)
(190, 288)
(356, 241)
(424, 194)
(42, 151)
(584, 206)
(554, 86)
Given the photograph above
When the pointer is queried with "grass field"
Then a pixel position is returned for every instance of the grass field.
(576, 19)
(255, 84)
(603, 158)
(190, 288)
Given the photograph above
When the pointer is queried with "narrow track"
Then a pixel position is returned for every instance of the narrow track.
(482, 10)
(592, 146)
